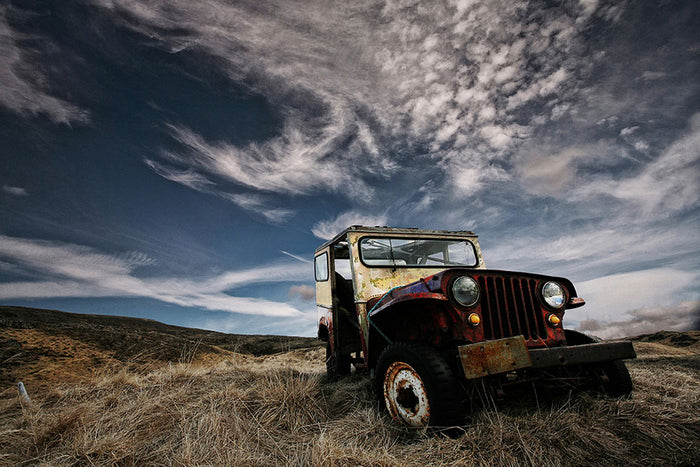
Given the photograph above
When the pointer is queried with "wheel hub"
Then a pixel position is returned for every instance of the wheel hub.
(405, 395)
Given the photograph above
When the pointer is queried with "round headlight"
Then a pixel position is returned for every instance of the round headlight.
(553, 294)
(465, 290)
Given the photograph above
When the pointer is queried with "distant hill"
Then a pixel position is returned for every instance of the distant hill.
(674, 338)
(32, 340)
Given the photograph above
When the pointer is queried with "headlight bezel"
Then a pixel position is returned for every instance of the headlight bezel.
(476, 288)
(564, 296)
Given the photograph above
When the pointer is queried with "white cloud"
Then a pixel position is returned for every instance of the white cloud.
(305, 292)
(652, 75)
(609, 298)
(681, 317)
(303, 324)
(641, 146)
(345, 81)
(330, 228)
(589, 6)
(187, 177)
(648, 190)
(296, 257)
(545, 171)
(21, 88)
(67, 270)
(665, 186)
(14, 190)
(592, 252)
(256, 204)
(292, 163)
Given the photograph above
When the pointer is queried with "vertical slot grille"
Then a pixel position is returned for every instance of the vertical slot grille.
(509, 307)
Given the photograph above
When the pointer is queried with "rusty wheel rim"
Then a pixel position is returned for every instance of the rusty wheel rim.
(405, 395)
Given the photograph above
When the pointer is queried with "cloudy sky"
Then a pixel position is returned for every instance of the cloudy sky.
(181, 160)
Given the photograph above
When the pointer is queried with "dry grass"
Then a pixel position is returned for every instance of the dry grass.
(280, 410)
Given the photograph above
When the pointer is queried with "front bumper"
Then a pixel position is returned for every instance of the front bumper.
(511, 353)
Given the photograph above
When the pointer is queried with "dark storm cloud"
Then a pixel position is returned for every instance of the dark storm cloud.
(683, 317)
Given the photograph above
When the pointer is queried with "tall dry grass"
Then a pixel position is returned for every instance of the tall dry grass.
(281, 410)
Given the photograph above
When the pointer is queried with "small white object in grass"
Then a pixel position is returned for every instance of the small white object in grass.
(23, 393)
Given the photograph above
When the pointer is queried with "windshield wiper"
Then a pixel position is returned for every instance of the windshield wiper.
(391, 252)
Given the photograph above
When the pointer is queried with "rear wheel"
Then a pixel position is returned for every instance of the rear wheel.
(611, 378)
(614, 379)
(336, 365)
(418, 387)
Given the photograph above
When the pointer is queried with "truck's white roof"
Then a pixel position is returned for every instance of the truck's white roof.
(408, 231)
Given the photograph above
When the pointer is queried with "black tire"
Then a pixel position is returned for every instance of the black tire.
(336, 365)
(611, 378)
(418, 387)
(614, 379)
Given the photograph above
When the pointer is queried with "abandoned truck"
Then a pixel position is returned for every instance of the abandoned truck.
(421, 313)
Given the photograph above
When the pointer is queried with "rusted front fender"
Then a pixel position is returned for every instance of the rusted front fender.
(405, 299)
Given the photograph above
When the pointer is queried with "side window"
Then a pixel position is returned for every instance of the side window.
(321, 267)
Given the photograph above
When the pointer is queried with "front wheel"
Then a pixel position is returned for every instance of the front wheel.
(418, 387)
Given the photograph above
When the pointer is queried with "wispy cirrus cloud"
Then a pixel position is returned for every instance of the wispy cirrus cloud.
(663, 187)
(23, 88)
(458, 78)
(293, 163)
(476, 88)
(296, 257)
(190, 178)
(68, 270)
(257, 204)
(328, 229)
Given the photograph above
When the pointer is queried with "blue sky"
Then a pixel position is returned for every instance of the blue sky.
(181, 160)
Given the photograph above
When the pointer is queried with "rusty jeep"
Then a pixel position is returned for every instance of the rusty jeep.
(419, 311)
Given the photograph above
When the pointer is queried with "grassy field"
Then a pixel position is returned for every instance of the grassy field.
(208, 399)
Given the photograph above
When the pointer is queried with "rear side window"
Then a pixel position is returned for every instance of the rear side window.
(321, 267)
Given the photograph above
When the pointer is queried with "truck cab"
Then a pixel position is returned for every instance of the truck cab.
(420, 312)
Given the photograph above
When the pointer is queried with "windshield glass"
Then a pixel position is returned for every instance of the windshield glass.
(416, 252)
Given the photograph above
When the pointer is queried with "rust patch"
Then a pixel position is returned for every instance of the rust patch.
(405, 396)
(493, 357)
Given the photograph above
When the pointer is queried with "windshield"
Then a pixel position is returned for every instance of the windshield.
(416, 252)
